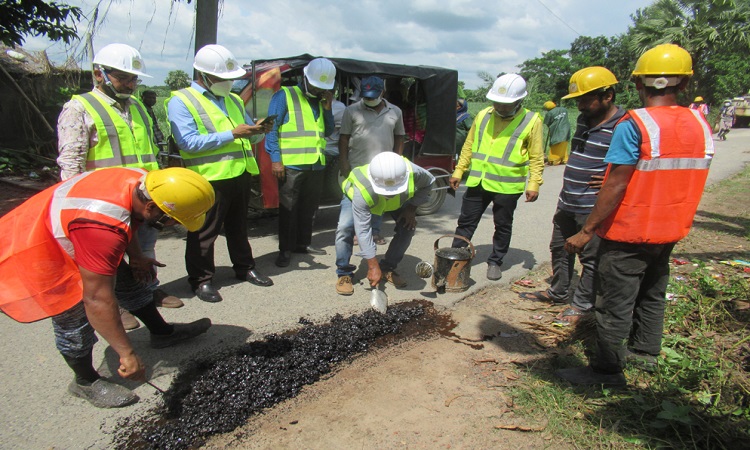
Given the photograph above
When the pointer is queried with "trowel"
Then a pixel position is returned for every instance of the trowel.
(378, 300)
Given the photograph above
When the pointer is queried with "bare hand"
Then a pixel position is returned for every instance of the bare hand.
(326, 99)
(374, 275)
(454, 183)
(266, 124)
(596, 181)
(143, 268)
(577, 242)
(408, 217)
(245, 131)
(131, 367)
(345, 168)
(278, 170)
(531, 196)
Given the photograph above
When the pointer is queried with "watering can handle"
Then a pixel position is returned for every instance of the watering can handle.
(471, 246)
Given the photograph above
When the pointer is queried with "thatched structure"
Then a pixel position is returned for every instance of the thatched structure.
(32, 92)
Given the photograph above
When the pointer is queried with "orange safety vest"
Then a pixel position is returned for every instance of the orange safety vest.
(662, 196)
(39, 277)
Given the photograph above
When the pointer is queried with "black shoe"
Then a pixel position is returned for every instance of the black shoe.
(310, 250)
(208, 293)
(256, 278)
(494, 272)
(284, 258)
(181, 332)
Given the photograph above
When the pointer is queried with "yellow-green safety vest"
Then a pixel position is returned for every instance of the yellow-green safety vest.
(120, 144)
(301, 138)
(230, 160)
(378, 203)
(501, 165)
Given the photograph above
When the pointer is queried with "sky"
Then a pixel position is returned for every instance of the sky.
(467, 35)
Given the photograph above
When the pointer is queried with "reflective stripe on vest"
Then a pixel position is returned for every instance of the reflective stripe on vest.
(302, 137)
(662, 196)
(39, 277)
(378, 204)
(119, 144)
(229, 160)
(501, 165)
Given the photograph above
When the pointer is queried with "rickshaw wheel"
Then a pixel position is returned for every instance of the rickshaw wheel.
(436, 200)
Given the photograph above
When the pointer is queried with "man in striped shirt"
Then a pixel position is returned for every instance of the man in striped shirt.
(593, 89)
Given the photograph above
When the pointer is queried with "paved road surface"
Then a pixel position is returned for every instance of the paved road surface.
(37, 413)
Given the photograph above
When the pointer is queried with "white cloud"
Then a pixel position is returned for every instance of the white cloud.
(467, 35)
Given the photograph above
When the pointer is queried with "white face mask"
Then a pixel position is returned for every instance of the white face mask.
(221, 88)
(371, 103)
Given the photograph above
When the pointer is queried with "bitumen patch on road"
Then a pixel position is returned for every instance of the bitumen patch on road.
(216, 393)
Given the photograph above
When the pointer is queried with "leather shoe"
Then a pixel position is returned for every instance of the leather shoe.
(256, 278)
(310, 250)
(208, 293)
(284, 258)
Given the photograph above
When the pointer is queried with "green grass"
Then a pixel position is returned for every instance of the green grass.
(700, 395)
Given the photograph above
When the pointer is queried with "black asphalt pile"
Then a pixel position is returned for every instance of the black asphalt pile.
(218, 393)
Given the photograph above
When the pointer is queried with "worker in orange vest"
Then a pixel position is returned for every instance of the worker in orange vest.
(61, 250)
(658, 164)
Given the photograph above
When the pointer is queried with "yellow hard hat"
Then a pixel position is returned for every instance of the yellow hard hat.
(664, 59)
(698, 99)
(590, 79)
(549, 104)
(182, 194)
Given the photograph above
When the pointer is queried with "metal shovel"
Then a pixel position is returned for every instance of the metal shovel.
(378, 300)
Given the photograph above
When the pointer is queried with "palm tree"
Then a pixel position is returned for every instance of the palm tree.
(705, 28)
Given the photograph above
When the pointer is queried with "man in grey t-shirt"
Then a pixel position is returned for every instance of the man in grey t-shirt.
(369, 127)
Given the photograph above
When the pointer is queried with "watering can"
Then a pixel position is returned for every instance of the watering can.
(452, 268)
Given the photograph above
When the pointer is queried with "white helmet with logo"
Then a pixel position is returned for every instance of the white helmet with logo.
(508, 88)
(121, 57)
(389, 173)
(216, 60)
(321, 73)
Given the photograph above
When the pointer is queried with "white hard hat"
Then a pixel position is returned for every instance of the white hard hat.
(321, 73)
(218, 61)
(121, 57)
(509, 88)
(389, 173)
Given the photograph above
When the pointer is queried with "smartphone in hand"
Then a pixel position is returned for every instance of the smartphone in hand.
(270, 118)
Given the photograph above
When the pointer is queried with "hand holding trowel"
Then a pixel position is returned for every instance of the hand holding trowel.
(378, 299)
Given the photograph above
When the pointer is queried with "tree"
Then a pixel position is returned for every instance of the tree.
(177, 79)
(20, 18)
(549, 74)
(710, 30)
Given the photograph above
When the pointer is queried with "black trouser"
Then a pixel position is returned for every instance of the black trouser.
(299, 197)
(564, 225)
(630, 311)
(230, 210)
(475, 201)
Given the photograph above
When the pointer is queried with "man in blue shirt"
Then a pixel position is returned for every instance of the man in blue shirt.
(215, 134)
(296, 147)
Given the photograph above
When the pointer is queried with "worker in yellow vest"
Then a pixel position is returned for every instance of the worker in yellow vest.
(504, 155)
(296, 148)
(109, 127)
(215, 135)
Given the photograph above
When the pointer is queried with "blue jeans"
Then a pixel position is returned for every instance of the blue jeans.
(345, 242)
